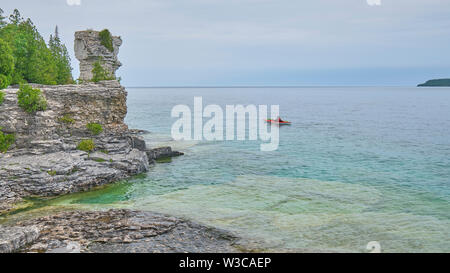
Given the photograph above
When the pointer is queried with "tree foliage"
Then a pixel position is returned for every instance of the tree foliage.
(4, 81)
(34, 61)
(2, 19)
(6, 64)
(62, 59)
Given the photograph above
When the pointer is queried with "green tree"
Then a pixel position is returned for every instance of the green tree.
(6, 64)
(15, 18)
(2, 19)
(62, 59)
(34, 61)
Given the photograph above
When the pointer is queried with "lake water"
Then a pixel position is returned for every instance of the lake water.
(356, 165)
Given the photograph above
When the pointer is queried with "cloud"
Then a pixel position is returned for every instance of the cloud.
(374, 2)
(73, 2)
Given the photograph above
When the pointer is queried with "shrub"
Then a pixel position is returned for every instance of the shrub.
(99, 73)
(86, 145)
(2, 97)
(94, 128)
(4, 81)
(31, 99)
(67, 119)
(6, 141)
(52, 173)
(106, 39)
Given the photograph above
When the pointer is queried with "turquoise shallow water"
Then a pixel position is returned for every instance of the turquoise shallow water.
(357, 165)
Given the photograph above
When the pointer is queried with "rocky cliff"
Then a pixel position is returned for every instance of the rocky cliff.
(89, 49)
(45, 161)
(103, 103)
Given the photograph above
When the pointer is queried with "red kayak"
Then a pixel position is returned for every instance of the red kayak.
(274, 121)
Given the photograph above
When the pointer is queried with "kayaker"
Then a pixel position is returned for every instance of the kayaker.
(280, 120)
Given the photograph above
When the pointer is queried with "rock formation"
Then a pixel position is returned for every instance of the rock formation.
(44, 161)
(89, 49)
(103, 103)
(114, 231)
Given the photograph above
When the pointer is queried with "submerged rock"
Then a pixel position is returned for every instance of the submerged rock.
(161, 153)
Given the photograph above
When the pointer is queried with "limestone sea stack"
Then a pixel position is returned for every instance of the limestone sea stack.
(90, 49)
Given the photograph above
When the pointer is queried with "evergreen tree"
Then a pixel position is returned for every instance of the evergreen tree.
(56, 33)
(62, 59)
(2, 19)
(15, 18)
(6, 64)
(33, 60)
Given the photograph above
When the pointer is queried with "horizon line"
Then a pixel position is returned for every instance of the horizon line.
(267, 86)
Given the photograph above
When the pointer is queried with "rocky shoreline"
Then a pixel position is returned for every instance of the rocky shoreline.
(45, 161)
(114, 231)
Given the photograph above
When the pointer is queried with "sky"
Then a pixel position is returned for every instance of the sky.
(260, 42)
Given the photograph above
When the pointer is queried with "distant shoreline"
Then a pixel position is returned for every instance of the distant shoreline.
(256, 86)
(436, 83)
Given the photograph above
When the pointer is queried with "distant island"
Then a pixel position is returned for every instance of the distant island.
(438, 82)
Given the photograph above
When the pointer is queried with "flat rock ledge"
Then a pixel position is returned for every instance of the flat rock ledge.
(114, 231)
(14, 238)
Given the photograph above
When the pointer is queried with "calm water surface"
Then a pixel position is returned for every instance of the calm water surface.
(357, 165)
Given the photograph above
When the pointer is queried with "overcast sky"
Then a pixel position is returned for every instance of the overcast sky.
(260, 42)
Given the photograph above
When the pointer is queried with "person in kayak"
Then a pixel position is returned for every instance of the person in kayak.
(279, 120)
